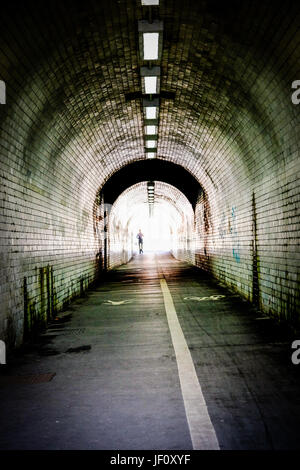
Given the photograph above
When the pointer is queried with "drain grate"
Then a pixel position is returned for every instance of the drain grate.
(26, 379)
(66, 331)
(73, 331)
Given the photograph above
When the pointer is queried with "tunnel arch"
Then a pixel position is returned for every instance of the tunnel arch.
(130, 212)
(152, 170)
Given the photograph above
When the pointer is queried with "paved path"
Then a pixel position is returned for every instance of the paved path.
(170, 361)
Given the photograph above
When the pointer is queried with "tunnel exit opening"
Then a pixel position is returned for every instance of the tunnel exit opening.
(126, 203)
(167, 227)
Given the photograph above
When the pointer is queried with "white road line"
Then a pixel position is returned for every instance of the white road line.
(201, 429)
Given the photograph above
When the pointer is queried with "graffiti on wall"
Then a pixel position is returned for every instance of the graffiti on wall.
(231, 229)
(234, 234)
(222, 227)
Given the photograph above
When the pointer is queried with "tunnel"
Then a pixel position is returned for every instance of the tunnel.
(179, 119)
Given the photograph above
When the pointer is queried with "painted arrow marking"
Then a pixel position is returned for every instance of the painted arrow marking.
(199, 299)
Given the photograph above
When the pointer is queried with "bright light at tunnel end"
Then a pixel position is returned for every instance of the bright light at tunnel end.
(143, 206)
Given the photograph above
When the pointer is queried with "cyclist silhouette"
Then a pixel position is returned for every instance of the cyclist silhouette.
(140, 240)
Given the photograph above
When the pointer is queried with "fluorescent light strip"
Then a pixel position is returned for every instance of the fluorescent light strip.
(150, 44)
(150, 130)
(151, 112)
(151, 144)
(151, 85)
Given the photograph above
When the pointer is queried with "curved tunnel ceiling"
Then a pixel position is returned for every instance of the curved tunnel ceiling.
(74, 67)
(154, 170)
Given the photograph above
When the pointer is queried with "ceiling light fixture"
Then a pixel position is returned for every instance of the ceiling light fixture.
(150, 46)
(151, 112)
(150, 84)
(150, 188)
(151, 154)
(150, 38)
(150, 80)
(150, 130)
(151, 108)
(150, 144)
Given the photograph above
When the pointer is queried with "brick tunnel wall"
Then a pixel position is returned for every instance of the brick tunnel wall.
(120, 243)
(247, 228)
(183, 232)
(48, 248)
(247, 237)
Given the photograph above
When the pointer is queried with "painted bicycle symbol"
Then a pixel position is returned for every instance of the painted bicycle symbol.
(200, 299)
